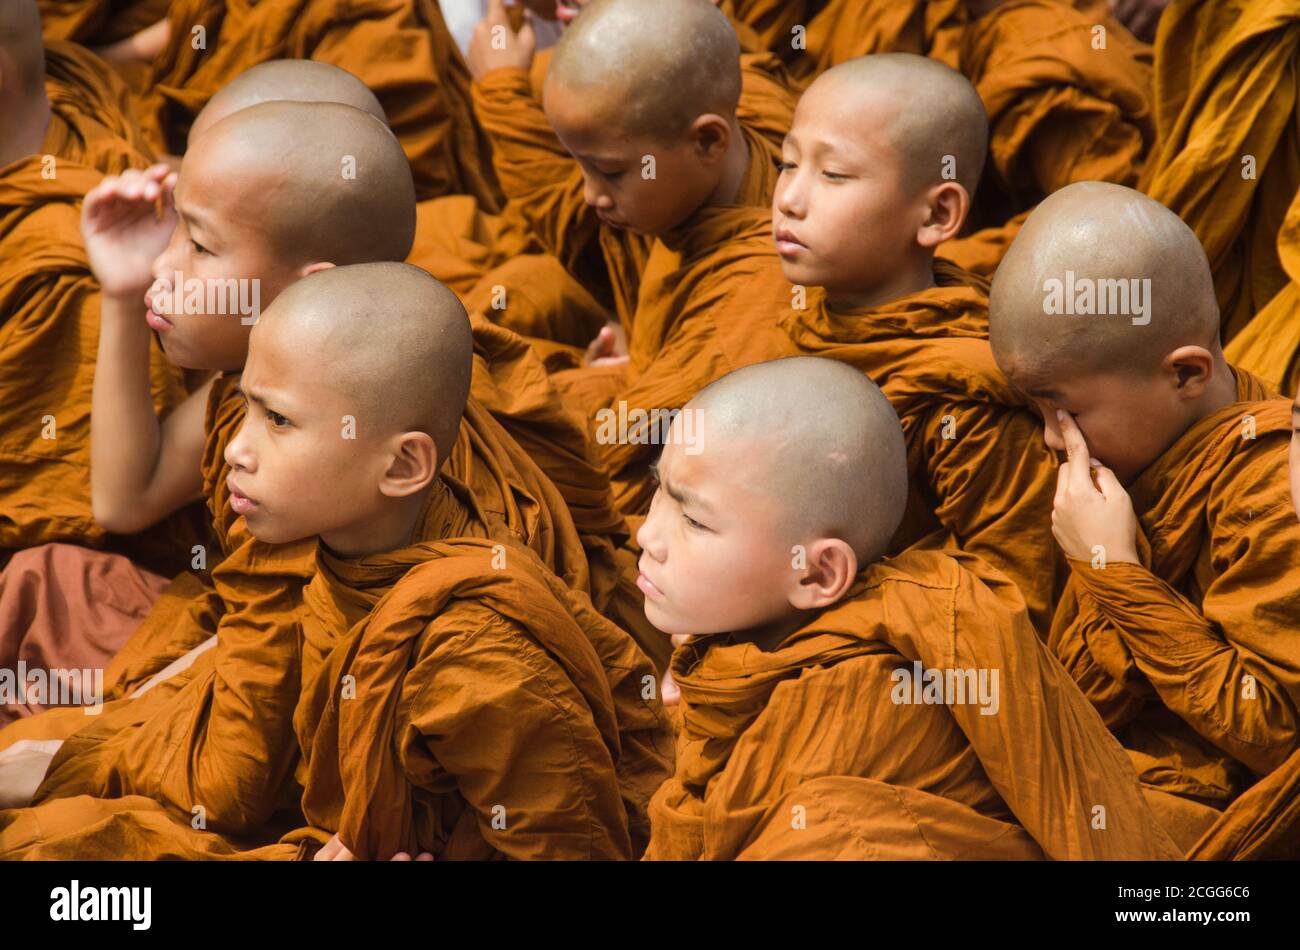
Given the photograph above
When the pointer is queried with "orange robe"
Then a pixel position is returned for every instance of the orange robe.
(1269, 345)
(975, 448)
(1191, 656)
(822, 748)
(92, 121)
(1060, 111)
(49, 336)
(98, 22)
(544, 182)
(708, 303)
(373, 697)
(399, 48)
(1228, 154)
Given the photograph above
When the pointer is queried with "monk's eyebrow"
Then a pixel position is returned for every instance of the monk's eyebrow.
(1050, 394)
(249, 395)
(684, 496)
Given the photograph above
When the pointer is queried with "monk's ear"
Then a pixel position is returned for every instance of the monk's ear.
(947, 206)
(314, 268)
(711, 135)
(1191, 368)
(414, 465)
(832, 566)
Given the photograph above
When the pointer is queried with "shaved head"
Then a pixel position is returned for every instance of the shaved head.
(395, 342)
(328, 182)
(1101, 278)
(832, 444)
(929, 113)
(296, 80)
(657, 64)
(22, 51)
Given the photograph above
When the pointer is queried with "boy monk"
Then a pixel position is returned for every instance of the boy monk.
(490, 710)
(802, 735)
(859, 210)
(1067, 91)
(1179, 620)
(596, 203)
(696, 283)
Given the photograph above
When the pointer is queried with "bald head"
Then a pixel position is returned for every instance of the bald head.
(657, 64)
(294, 80)
(395, 342)
(930, 114)
(328, 182)
(1101, 278)
(22, 51)
(831, 443)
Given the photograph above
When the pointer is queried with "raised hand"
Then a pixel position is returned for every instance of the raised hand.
(126, 222)
(1091, 520)
(487, 52)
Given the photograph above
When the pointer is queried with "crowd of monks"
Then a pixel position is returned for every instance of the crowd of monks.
(664, 429)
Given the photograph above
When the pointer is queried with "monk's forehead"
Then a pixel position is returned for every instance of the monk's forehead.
(593, 121)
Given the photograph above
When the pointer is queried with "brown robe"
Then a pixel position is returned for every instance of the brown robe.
(821, 748)
(976, 455)
(399, 48)
(98, 22)
(1228, 155)
(1191, 656)
(708, 303)
(1269, 345)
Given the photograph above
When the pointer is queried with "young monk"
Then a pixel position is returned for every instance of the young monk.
(698, 301)
(1228, 140)
(860, 208)
(802, 735)
(491, 711)
(1067, 92)
(596, 209)
(1179, 618)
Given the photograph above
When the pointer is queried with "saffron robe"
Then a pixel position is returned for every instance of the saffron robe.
(975, 448)
(1191, 656)
(819, 748)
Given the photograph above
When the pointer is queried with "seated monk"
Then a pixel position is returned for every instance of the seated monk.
(510, 382)
(454, 696)
(568, 198)
(623, 98)
(1179, 618)
(400, 49)
(1067, 91)
(804, 732)
(859, 211)
(1227, 154)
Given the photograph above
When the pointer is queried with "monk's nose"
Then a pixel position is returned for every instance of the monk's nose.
(238, 453)
(595, 197)
(648, 537)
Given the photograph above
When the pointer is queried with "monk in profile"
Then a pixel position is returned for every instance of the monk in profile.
(805, 732)
(419, 599)
(860, 212)
(1178, 621)
(1066, 88)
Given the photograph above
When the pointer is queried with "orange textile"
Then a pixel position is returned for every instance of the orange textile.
(1190, 656)
(1227, 158)
(975, 448)
(774, 761)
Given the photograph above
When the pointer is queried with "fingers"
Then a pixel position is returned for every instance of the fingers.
(497, 12)
(1076, 451)
(1108, 484)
